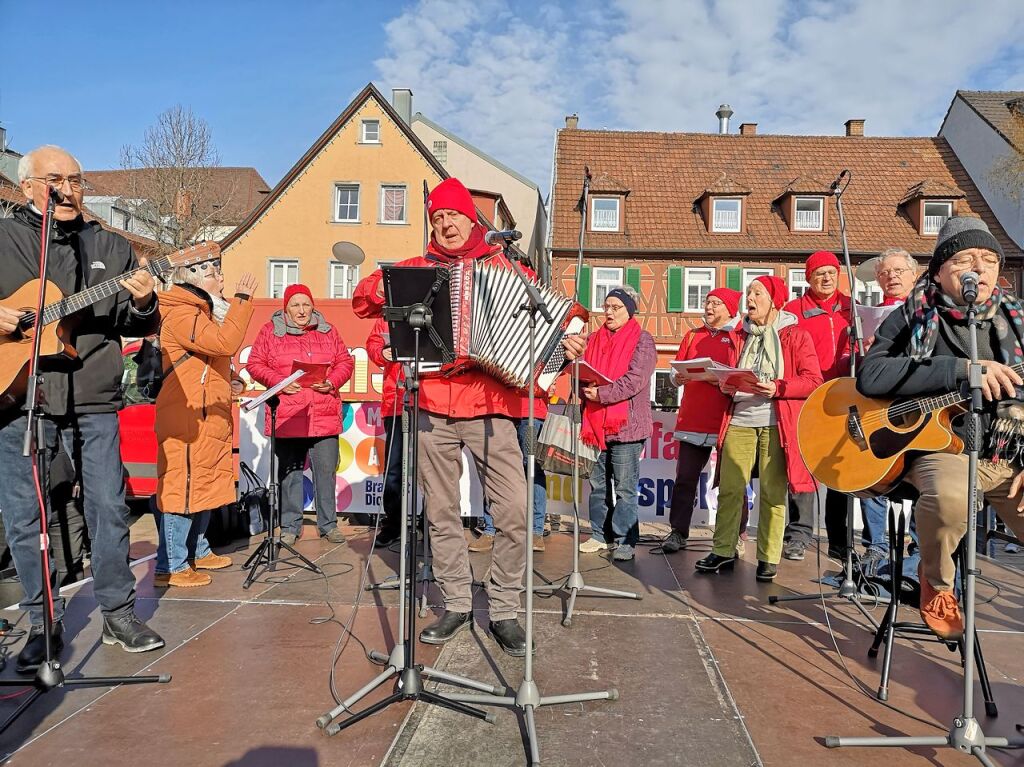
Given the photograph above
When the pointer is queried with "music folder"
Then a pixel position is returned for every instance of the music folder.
(406, 286)
(255, 402)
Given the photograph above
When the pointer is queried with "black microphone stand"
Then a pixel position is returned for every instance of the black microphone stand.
(848, 588)
(965, 733)
(50, 674)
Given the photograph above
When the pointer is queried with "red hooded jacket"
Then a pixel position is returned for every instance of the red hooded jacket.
(828, 324)
(376, 342)
(704, 405)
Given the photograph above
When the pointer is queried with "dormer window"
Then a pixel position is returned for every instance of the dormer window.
(726, 214)
(808, 214)
(370, 132)
(604, 214)
(935, 214)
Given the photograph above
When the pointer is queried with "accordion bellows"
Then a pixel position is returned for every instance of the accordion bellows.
(489, 331)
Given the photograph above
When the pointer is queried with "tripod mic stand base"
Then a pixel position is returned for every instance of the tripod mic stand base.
(268, 555)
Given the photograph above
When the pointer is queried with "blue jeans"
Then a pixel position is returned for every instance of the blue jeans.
(613, 518)
(95, 444)
(182, 537)
(291, 460)
(875, 512)
(540, 483)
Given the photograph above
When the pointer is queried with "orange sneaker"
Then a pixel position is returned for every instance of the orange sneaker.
(940, 611)
(212, 562)
(188, 579)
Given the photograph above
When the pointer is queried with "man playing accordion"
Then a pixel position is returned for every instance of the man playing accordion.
(474, 410)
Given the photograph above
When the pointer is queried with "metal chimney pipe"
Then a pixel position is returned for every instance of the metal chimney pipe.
(723, 114)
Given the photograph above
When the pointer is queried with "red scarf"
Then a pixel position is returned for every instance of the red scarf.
(608, 353)
(473, 244)
(832, 305)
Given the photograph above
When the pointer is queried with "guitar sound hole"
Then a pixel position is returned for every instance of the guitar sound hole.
(901, 418)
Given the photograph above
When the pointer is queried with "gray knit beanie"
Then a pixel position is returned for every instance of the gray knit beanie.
(960, 233)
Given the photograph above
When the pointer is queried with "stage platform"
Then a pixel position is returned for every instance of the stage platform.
(708, 673)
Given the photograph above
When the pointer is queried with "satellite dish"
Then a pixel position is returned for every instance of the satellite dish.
(866, 271)
(348, 253)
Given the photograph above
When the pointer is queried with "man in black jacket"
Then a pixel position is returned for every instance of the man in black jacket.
(923, 349)
(80, 397)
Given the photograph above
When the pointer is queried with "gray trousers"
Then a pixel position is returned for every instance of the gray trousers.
(493, 443)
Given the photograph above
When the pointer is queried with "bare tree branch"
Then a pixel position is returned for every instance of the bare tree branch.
(1008, 172)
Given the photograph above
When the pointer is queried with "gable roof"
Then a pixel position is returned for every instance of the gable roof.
(231, 194)
(667, 171)
(992, 107)
(369, 92)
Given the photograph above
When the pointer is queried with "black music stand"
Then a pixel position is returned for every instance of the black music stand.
(411, 294)
(267, 552)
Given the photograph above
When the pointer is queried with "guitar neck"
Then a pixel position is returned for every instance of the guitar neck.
(58, 310)
(942, 401)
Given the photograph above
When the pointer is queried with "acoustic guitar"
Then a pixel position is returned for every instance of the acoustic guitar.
(58, 311)
(859, 445)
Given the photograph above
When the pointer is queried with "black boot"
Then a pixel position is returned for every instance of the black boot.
(131, 633)
(766, 571)
(449, 624)
(33, 653)
(713, 563)
(510, 637)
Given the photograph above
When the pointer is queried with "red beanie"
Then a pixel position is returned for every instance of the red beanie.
(451, 194)
(776, 288)
(729, 297)
(296, 289)
(819, 259)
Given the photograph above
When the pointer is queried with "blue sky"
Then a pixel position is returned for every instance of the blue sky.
(269, 77)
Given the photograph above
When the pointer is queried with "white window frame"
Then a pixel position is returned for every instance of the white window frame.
(934, 229)
(605, 281)
(696, 275)
(867, 293)
(384, 189)
(346, 185)
(363, 132)
(350, 278)
(739, 215)
(280, 264)
(749, 275)
(594, 227)
(797, 278)
(821, 214)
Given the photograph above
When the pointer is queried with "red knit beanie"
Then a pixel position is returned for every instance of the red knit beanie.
(819, 259)
(296, 289)
(729, 297)
(776, 288)
(451, 194)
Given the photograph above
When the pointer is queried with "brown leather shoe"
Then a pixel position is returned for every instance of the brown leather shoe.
(160, 580)
(212, 562)
(538, 543)
(940, 611)
(483, 543)
(188, 579)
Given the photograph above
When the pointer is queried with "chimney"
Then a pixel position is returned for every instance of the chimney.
(748, 129)
(3, 139)
(401, 100)
(854, 127)
(723, 114)
(571, 121)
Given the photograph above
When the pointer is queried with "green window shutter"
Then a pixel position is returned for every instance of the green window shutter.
(675, 289)
(633, 278)
(734, 278)
(583, 287)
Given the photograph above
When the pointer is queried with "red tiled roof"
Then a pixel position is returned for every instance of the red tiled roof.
(231, 195)
(994, 108)
(931, 189)
(667, 171)
(724, 185)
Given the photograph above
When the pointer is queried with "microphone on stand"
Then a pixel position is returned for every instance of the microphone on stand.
(969, 286)
(835, 184)
(57, 195)
(503, 237)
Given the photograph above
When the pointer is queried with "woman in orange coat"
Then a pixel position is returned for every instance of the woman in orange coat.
(193, 416)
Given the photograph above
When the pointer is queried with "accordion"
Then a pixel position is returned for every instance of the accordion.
(488, 333)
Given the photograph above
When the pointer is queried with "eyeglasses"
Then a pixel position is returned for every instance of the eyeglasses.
(613, 307)
(75, 181)
(892, 273)
(984, 261)
(713, 303)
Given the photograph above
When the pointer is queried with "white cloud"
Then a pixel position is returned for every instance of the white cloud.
(504, 75)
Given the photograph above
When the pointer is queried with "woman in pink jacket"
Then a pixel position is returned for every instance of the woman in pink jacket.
(309, 416)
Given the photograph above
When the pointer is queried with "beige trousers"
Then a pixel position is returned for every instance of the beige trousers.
(493, 443)
(941, 510)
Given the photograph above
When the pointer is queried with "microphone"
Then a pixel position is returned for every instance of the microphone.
(503, 237)
(969, 286)
(57, 195)
(835, 184)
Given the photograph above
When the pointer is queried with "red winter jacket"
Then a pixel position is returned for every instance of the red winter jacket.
(308, 413)
(801, 376)
(376, 342)
(828, 324)
(704, 405)
(467, 394)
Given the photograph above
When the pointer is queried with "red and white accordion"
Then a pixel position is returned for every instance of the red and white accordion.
(485, 296)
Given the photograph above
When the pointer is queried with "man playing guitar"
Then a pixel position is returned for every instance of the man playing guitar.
(922, 348)
(80, 397)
